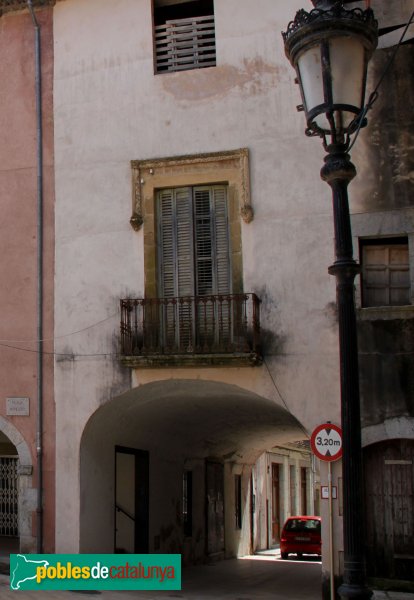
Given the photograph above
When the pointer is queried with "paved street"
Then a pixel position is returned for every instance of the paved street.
(250, 578)
(253, 578)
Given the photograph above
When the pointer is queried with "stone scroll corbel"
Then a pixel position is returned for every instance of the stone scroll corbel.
(136, 219)
(246, 209)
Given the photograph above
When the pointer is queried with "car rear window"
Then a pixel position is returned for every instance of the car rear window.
(303, 525)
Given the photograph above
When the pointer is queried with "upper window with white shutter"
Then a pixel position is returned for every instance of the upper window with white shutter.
(184, 35)
(385, 272)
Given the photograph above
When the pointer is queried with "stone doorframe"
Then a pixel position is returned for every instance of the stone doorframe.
(27, 495)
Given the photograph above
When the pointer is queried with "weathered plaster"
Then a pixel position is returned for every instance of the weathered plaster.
(27, 495)
(18, 247)
(111, 109)
(396, 428)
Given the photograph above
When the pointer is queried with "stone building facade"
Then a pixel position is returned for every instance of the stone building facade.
(195, 321)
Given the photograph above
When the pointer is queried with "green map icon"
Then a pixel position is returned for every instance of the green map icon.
(24, 570)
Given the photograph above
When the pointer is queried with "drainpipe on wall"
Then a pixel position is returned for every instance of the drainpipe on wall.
(39, 157)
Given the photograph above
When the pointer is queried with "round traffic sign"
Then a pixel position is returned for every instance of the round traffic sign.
(326, 442)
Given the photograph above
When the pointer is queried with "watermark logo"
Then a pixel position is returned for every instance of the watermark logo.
(95, 572)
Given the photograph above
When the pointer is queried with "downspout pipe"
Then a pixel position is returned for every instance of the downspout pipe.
(39, 160)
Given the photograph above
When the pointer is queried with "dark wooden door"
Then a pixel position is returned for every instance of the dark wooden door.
(131, 500)
(275, 503)
(215, 508)
(389, 509)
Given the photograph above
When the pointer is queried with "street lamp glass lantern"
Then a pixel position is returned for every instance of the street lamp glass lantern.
(330, 48)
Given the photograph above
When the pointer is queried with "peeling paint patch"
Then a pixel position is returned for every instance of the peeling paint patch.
(254, 77)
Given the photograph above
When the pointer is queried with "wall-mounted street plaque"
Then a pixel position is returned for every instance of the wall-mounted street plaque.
(17, 407)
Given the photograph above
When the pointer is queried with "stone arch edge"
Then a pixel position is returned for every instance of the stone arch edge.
(394, 428)
(27, 495)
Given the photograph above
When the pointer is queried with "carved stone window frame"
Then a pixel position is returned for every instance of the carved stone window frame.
(229, 167)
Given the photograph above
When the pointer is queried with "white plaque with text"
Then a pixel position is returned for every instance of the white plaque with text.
(17, 407)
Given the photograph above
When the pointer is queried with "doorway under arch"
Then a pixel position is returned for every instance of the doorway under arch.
(144, 450)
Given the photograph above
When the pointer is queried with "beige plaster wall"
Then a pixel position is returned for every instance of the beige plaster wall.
(110, 109)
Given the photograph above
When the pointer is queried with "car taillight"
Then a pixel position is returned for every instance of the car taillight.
(283, 539)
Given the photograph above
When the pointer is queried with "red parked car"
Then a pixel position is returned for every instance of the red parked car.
(301, 535)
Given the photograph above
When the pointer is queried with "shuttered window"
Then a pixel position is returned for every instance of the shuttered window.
(193, 260)
(385, 272)
(193, 249)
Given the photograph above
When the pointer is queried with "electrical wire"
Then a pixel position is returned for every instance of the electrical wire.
(282, 398)
(71, 355)
(59, 337)
(374, 95)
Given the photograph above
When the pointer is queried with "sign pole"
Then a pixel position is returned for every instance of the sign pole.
(331, 548)
(326, 444)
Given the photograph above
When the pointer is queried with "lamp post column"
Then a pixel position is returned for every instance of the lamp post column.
(338, 171)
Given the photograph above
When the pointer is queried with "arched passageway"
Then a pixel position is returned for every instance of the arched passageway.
(159, 466)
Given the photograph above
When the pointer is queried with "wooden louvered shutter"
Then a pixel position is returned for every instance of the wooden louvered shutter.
(194, 260)
(212, 264)
(224, 309)
(221, 240)
(166, 243)
(212, 241)
(176, 264)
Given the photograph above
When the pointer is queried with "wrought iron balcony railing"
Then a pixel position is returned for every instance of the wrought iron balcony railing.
(200, 330)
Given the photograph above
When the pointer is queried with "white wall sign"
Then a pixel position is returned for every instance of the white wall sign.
(17, 407)
(325, 492)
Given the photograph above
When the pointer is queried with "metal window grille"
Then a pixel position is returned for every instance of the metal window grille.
(182, 44)
(9, 496)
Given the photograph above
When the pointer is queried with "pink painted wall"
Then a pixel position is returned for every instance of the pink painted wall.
(18, 237)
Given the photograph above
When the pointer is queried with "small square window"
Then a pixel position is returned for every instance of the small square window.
(184, 35)
(385, 272)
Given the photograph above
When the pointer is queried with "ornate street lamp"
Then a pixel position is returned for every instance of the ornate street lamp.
(330, 47)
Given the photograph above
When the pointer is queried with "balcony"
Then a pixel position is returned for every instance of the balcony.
(222, 330)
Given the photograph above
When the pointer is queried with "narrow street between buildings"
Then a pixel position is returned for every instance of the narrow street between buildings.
(250, 578)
